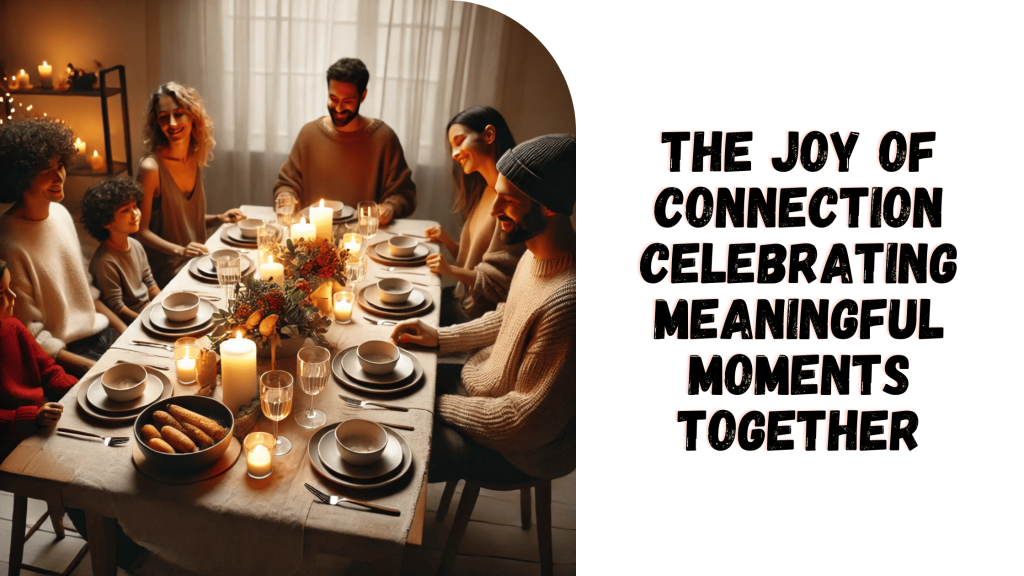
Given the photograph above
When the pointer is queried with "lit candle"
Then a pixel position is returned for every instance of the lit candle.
(303, 231)
(12, 82)
(79, 145)
(259, 458)
(186, 370)
(238, 372)
(96, 161)
(343, 303)
(23, 81)
(46, 75)
(271, 271)
(323, 219)
(353, 242)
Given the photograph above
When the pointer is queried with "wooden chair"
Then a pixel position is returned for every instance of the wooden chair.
(55, 512)
(471, 491)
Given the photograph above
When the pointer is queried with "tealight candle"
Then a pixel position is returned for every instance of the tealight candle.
(323, 219)
(96, 162)
(46, 75)
(303, 231)
(185, 354)
(353, 242)
(238, 371)
(344, 301)
(12, 82)
(23, 81)
(79, 145)
(271, 271)
(259, 454)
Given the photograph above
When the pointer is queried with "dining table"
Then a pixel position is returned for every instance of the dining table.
(232, 523)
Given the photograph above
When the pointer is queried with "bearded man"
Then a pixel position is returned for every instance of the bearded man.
(515, 419)
(346, 156)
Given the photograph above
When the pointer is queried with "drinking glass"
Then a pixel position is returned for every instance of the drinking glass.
(287, 209)
(276, 393)
(369, 219)
(314, 368)
(267, 237)
(355, 270)
(229, 273)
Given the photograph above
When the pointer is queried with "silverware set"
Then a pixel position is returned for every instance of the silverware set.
(402, 271)
(111, 441)
(167, 347)
(164, 368)
(204, 295)
(380, 322)
(357, 403)
(335, 500)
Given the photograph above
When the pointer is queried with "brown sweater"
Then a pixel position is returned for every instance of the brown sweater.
(351, 167)
(522, 384)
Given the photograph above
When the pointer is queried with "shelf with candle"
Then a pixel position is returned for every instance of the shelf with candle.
(46, 76)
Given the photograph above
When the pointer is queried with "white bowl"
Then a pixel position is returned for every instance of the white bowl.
(250, 226)
(361, 442)
(394, 290)
(377, 356)
(402, 245)
(217, 254)
(180, 306)
(124, 382)
(333, 205)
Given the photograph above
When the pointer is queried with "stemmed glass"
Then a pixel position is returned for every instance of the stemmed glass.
(229, 273)
(354, 272)
(276, 393)
(286, 208)
(267, 237)
(313, 371)
(369, 219)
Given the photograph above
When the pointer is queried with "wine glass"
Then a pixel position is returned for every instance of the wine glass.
(369, 219)
(286, 208)
(276, 393)
(229, 273)
(354, 272)
(267, 237)
(314, 368)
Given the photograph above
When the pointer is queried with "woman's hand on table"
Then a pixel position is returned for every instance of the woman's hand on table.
(194, 249)
(415, 332)
(436, 263)
(231, 216)
(49, 414)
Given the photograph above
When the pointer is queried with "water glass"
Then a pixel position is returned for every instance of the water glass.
(314, 369)
(355, 270)
(229, 274)
(287, 209)
(268, 237)
(276, 392)
(369, 219)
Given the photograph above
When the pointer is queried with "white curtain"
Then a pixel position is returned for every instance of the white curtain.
(261, 65)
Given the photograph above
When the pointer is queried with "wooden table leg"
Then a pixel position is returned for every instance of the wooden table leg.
(18, 535)
(102, 543)
(55, 508)
(416, 530)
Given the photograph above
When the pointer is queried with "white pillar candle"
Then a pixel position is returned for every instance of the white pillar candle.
(96, 162)
(271, 271)
(323, 219)
(23, 81)
(238, 372)
(303, 231)
(46, 75)
(353, 242)
(79, 145)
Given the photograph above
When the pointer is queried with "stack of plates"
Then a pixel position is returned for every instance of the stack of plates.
(407, 373)
(344, 215)
(93, 400)
(233, 235)
(381, 254)
(419, 302)
(155, 320)
(203, 268)
(325, 456)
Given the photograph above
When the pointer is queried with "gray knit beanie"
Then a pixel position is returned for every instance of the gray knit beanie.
(545, 170)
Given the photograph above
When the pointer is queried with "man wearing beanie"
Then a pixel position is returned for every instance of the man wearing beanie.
(517, 418)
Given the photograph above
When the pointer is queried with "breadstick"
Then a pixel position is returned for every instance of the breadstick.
(160, 446)
(149, 431)
(164, 419)
(197, 435)
(212, 429)
(177, 439)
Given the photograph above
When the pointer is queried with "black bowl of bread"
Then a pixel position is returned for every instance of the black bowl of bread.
(184, 433)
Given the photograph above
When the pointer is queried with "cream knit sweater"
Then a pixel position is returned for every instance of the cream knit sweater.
(522, 384)
(55, 296)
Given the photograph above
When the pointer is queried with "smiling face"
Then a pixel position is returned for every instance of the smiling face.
(519, 216)
(126, 219)
(470, 148)
(174, 121)
(6, 296)
(343, 103)
(49, 184)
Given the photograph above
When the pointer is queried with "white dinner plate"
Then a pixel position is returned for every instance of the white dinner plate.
(98, 398)
(88, 408)
(416, 300)
(380, 389)
(330, 456)
(318, 465)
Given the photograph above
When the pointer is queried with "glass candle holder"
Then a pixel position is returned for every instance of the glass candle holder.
(268, 238)
(344, 303)
(186, 360)
(259, 454)
(353, 242)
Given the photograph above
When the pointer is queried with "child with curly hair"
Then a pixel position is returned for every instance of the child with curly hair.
(119, 267)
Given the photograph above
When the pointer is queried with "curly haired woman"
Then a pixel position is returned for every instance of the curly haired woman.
(179, 138)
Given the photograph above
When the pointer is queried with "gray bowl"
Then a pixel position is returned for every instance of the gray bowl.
(373, 440)
(394, 290)
(196, 460)
(402, 245)
(180, 306)
(124, 382)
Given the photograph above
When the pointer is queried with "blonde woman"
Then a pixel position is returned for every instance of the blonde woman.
(178, 137)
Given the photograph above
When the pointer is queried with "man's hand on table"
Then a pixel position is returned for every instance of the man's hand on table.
(49, 414)
(415, 332)
(386, 213)
(231, 216)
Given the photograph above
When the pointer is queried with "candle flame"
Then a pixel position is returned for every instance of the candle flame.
(270, 258)
(22, 73)
(238, 335)
(321, 202)
(96, 153)
(44, 63)
(302, 220)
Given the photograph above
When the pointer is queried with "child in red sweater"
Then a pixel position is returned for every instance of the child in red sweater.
(27, 378)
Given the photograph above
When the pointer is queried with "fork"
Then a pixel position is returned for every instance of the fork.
(108, 440)
(167, 347)
(357, 403)
(335, 500)
(380, 322)
(402, 271)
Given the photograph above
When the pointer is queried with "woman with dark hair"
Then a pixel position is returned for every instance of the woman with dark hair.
(483, 264)
(179, 138)
(56, 300)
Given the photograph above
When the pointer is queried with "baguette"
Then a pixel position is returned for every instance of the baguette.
(164, 419)
(149, 432)
(160, 446)
(197, 436)
(177, 439)
(212, 429)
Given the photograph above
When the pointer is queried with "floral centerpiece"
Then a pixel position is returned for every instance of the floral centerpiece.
(267, 312)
